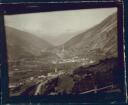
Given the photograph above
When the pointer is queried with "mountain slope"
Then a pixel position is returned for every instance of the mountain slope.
(21, 43)
(95, 43)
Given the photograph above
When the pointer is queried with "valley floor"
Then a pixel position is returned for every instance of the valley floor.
(34, 78)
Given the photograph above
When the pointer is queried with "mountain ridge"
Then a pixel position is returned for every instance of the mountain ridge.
(100, 40)
(24, 42)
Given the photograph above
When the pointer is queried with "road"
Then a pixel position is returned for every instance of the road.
(95, 90)
(37, 92)
(38, 89)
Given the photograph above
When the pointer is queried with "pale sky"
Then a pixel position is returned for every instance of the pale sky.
(56, 24)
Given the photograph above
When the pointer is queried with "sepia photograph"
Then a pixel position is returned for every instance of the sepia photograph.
(70, 52)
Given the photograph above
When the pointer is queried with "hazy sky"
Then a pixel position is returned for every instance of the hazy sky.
(56, 24)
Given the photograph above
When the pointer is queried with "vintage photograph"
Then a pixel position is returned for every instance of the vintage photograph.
(69, 52)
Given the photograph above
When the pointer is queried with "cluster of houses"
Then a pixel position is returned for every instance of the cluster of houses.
(83, 61)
